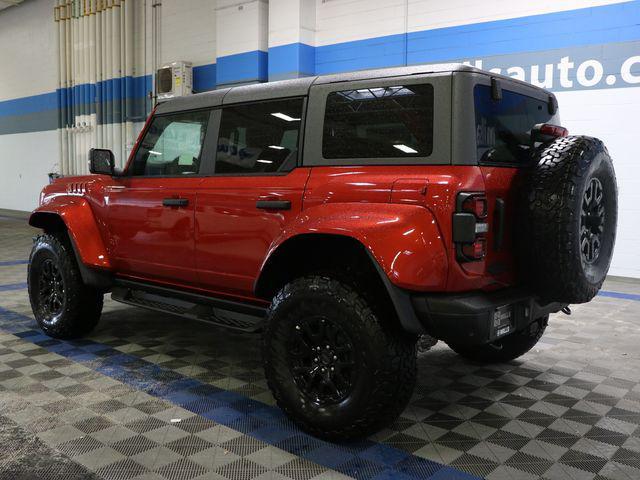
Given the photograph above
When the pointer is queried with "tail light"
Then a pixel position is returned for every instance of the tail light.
(543, 132)
(476, 204)
(470, 227)
(553, 130)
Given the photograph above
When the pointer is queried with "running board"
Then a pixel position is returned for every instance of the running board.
(224, 313)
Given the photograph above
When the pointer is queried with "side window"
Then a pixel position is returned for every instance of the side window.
(259, 137)
(172, 145)
(383, 122)
(503, 128)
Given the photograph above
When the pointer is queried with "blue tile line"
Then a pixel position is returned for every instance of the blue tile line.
(624, 296)
(363, 459)
(13, 262)
(13, 286)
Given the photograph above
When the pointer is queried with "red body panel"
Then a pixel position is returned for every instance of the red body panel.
(71, 201)
(220, 240)
(352, 186)
(147, 239)
(232, 236)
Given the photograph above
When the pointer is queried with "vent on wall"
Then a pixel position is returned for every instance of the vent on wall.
(174, 80)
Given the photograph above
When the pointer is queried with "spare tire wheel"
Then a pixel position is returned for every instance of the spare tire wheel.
(572, 204)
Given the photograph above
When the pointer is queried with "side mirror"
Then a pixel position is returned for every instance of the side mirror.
(102, 161)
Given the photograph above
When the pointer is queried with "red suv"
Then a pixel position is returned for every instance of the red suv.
(342, 216)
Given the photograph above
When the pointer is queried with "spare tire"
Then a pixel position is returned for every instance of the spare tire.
(571, 217)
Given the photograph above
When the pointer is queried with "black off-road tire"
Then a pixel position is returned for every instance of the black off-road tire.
(506, 349)
(553, 221)
(386, 359)
(81, 305)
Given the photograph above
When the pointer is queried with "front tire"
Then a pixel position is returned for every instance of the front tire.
(334, 366)
(62, 304)
(507, 348)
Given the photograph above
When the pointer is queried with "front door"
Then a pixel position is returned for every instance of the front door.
(151, 209)
(255, 189)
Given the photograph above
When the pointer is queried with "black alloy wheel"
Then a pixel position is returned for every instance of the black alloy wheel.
(335, 364)
(62, 304)
(592, 221)
(322, 360)
(51, 291)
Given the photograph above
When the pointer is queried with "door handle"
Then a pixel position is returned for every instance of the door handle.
(175, 202)
(274, 204)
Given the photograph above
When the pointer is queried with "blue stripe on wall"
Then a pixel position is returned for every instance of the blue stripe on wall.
(600, 25)
(362, 54)
(204, 77)
(588, 26)
(242, 67)
(291, 61)
(26, 105)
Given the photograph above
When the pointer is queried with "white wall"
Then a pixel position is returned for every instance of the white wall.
(611, 115)
(25, 159)
(242, 26)
(188, 31)
(28, 49)
(28, 66)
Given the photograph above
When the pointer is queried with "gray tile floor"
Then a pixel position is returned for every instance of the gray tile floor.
(150, 396)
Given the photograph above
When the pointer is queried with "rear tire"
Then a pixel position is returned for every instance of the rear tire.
(334, 366)
(507, 348)
(62, 304)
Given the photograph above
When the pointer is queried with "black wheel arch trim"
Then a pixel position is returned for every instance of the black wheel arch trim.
(401, 301)
(52, 222)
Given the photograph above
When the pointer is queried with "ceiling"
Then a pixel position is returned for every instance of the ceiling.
(8, 3)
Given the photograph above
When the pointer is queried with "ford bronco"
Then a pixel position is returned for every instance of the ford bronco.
(342, 216)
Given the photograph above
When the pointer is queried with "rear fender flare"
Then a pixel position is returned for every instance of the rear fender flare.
(403, 243)
(404, 240)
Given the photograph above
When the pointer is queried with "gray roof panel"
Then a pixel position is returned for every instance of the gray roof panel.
(297, 87)
(193, 102)
(300, 86)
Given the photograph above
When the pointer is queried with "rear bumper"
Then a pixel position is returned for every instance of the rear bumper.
(475, 318)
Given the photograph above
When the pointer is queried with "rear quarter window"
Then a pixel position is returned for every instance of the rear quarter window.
(382, 122)
(503, 127)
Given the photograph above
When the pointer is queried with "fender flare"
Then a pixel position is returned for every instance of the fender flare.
(75, 215)
(393, 237)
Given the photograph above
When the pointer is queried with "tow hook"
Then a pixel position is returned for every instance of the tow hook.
(566, 310)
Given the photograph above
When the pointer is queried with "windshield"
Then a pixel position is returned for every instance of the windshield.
(503, 127)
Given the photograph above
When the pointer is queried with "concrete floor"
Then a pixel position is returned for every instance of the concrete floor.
(150, 396)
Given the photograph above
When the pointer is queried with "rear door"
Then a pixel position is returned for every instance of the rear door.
(255, 188)
(151, 209)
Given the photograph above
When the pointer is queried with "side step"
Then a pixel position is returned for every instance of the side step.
(225, 313)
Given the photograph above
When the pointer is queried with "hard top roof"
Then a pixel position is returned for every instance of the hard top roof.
(300, 86)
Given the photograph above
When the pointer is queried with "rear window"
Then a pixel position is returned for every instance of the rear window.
(503, 127)
(382, 122)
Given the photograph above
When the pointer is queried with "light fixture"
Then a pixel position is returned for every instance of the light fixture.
(404, 148)
(263, 161)
(284, 116)
(276, 147)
